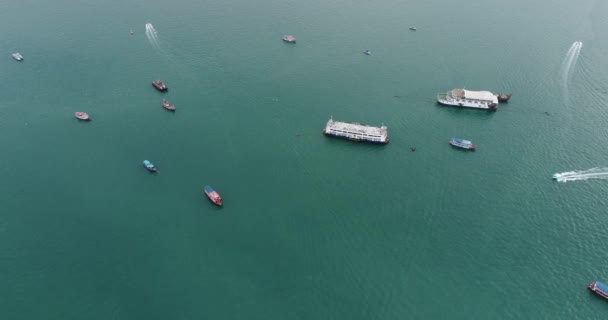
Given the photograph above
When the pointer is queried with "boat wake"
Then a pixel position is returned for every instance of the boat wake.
(152, 36)
(569, 63)
(595, 173)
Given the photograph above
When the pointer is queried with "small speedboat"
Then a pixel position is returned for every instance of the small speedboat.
(413, 28)
(159, 85)
(168, 106)
(82, 116)
(463, 144)
(213, 196)
(556, 176)
(599, 288)
(289, 38)
(150, 166)
(367, 52)
(17, 56)
(131, 32)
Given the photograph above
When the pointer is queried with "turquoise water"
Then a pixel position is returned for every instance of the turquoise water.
(312, 228)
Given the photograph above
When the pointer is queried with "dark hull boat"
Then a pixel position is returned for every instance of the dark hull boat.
(159, 85)
(503, 97)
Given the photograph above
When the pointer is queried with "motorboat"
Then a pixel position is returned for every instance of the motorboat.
(82, 116)
(213, 195)
(17, 56)
(463, 144)
(168, 106)
(150, 166)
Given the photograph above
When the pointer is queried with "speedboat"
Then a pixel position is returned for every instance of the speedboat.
(367, 52)
(599, 288)
(150, 166)
(413, 28)
(17, 56)
(213, 196)
(556, 176)
(463, 144)
(82, 116)
(168, 106)
(289, 38)
(159, 85)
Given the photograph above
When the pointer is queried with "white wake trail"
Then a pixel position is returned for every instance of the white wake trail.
(570, 61)
(595, 173)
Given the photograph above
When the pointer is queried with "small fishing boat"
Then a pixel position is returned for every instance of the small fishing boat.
(17, 56)
(367, 52)
(159, 85)
(213, 196)
(503, 97)
(150, 166)
(168, 106)
(463, 144)
(289, 38)
(413, 28)
(599, 288)
(82, 116)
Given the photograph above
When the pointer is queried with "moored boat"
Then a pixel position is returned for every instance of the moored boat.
(213, 195)
(82, 116)
(599, 288)
(168, 106)
(367, 52)
(159, 85)
(503, 97)
(469, 99)
(150, 166)
(463, 144)
(289, 38)
(17, 56)
(413, 28)
(356, 132)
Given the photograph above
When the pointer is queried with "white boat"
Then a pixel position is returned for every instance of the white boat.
(17, 56)
(356, 132)
(469, 99)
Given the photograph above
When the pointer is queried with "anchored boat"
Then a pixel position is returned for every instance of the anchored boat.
(168, 106)
(213, 195)
(82, 116)
(503, 97)
(289, 38)
(599, 288)
(159, 85)
(469, 99)
(463, 144)
(150, 166)
(356, 132)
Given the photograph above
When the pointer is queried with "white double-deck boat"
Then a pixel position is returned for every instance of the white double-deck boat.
(469, 99)
(356, 132)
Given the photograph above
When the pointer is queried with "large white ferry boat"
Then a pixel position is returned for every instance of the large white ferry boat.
(356, 132)
(469, 99)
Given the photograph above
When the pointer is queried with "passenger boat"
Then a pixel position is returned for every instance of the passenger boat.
(469, 99)
(503, 97)
(413, 28)
(159, 85)
(213, 196)
(599, 288)
(82, 116)
(150, 166)
(168, 106)
(463, 144)
(289, 38)
(17, 56)
(356, 132)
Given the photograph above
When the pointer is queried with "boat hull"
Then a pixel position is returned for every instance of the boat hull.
(597, 288)
(160, 86)
(466, 105)
(355, 139)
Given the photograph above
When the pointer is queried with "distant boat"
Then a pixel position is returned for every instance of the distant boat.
(17, 56)
(367, 52)
(503, 97)
(150, 166)
(82, 116)
(413, 28)
(289, 38)
(131, 32)
(168, 106)
(159, 85)
(213, 196)
(599, 288)
(463, 144)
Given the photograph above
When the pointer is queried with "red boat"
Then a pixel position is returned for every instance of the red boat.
(82, 116)
(168, 106)
(159, 85)
(213, 196)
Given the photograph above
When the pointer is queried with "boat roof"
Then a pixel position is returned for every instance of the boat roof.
(208, 189)
(601, 286)
(462, 141)
(356, 127)
(479, 95)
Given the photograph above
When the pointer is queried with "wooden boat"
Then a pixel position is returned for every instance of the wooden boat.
(213, 195)
(168, 106)
(159, 85)
(599, 288)
(289, 38)
(82, 116)
(463, 144)
(150, 166)
(503, 97)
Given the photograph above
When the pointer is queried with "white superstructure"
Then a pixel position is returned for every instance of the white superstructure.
(17, 56)
(469, 99)
(356, 131)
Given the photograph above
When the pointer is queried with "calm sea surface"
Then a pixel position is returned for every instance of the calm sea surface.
(312, 227)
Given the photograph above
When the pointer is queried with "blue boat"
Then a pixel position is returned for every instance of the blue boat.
(149, 166)
(601, 289)
(463, 144)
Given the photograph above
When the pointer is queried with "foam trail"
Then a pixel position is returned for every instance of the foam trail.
(595, 173)
(570, 61)
(152, 36)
